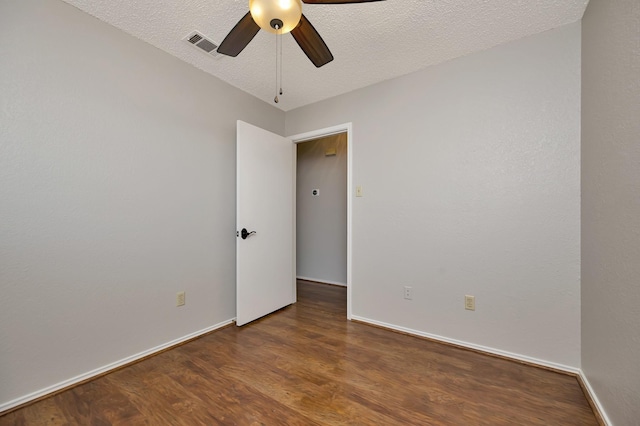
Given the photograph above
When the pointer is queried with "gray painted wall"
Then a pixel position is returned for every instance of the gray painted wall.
(321, 222)
(471, 179)
(117, 189)
(611, 206)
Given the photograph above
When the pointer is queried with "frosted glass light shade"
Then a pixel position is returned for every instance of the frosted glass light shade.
(264, 11)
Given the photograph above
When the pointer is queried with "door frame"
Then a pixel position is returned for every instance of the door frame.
(316, 134)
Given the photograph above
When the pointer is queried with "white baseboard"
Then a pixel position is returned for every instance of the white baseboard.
(594, 398)
(505, 354)
(106, 368)
(317, 280)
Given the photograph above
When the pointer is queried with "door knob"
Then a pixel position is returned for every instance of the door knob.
(245, 234)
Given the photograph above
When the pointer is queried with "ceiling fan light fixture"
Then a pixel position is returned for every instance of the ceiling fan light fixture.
(264, 12)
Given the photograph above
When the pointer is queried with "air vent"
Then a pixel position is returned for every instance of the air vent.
(203, 43)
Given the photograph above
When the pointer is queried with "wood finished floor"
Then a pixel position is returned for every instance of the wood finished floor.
(307, 365)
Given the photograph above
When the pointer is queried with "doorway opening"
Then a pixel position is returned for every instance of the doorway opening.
(323, 207)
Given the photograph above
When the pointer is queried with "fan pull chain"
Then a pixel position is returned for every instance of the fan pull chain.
(278, 84)
(281, 63)
(276, 100)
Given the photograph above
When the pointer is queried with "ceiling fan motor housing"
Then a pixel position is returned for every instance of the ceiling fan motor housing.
(269, 14)
(280, 17)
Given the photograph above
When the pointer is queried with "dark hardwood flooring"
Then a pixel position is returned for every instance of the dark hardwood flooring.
(308, 365)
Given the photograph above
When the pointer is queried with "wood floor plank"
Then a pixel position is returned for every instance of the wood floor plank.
(46, 412)
(411, 392)
(307, 365)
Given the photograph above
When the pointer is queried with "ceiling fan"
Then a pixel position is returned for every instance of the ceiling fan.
(281, 17)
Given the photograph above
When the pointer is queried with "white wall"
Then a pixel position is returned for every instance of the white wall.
(321, 222)
(117, 189)
(611, 206)
(470, 171)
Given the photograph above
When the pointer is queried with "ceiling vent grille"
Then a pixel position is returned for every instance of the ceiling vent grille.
(203, 43)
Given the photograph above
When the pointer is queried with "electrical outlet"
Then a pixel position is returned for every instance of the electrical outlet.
(470, 303)
(180, 298)
(408, 293)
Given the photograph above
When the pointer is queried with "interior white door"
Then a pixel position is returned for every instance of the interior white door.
(265, 272)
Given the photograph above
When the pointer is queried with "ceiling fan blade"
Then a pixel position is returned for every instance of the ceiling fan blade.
(239, 37)
(311, 43)
(337, 1)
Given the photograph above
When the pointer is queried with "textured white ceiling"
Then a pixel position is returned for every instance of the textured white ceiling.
(371, 42)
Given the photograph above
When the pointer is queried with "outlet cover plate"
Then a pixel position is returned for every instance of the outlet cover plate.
(408, 293)
(470, 303)
(180, 298)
